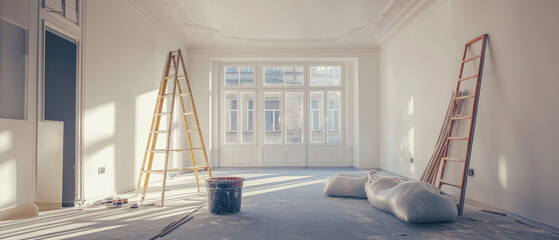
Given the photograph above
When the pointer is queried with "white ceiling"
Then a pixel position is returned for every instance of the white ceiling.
(269, 23)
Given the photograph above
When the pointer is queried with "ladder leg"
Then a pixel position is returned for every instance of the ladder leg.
(170, 125)
(196, 122)
(164, 185)
(152, 138)
(146, 181)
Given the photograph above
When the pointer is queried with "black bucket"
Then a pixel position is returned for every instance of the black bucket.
(224, 194)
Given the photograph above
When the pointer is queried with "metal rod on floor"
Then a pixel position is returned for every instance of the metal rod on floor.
(175, 224)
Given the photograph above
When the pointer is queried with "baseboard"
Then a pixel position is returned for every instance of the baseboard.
(46, 206)
(26, 210)
(516, 216)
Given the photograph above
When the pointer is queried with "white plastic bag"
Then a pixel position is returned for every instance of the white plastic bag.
(345, 186)
(375, 189)
(410, 201)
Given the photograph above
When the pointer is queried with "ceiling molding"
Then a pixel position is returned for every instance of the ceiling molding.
(141, 8)
(287, 50)
(414, 16)
(171, 18)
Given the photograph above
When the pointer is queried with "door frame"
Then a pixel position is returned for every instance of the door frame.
(74, 33)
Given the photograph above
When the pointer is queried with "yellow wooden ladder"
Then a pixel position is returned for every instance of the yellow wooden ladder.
(171, 90)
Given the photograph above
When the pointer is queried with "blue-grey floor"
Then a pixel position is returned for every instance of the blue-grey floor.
(276, 204)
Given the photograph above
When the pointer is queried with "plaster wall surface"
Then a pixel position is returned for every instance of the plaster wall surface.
(16, 136)
(125, 55)
(514, 152)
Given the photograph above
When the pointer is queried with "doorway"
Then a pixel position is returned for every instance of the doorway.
(60, 87)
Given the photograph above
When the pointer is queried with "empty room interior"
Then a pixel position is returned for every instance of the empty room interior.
(261, 119)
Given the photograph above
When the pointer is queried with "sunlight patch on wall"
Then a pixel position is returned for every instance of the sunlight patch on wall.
(100, 123)
(8, 182)
(411, 136)
(5, 141)
(502, 166)
(410, 106)
(145, 104)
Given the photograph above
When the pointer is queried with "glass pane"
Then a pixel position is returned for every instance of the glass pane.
(231, 76)
(283, 75)
(247, 136)
(294, 119)
(233, 125)
(273, 75)
(246, 76)
(13, 40)
(269, 120)
(325, 76)
(231, 116)
(293, 76)
(317, 100)
(239, 76)
(334, 133)
(272, 117)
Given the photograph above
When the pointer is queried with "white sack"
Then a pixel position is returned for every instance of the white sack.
(344, 186)
(375, 187)
(410, 201)
(421, 202)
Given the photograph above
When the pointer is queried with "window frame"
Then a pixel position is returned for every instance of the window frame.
(262, 75)
(238, 65)
(259, 88)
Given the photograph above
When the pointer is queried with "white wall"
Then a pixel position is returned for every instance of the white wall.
(516, 135)
(366, 153)
(17, 182)
(124, 58)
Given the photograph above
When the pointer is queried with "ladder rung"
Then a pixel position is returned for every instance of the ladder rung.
(463, 97)
(157, 151)
(472, 58)
(189, 113)
(458, 138)
(196, 167)
(162, 113)
(177, 169)
(173, 76)
(172, 150)
(466, 78)
(183, 94)
(184, 149)
(461, 117)
(449, 183)
(475, 40)
(166, 95)
(453, 159)
(192, 130)
(160, 131)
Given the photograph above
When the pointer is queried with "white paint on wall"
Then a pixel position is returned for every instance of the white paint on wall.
(17, 156)
(514, 148)
(101, 120)
(8, 170)
(124, 59)
(6, 143)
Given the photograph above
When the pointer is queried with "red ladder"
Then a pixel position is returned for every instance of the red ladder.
(455, 118)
